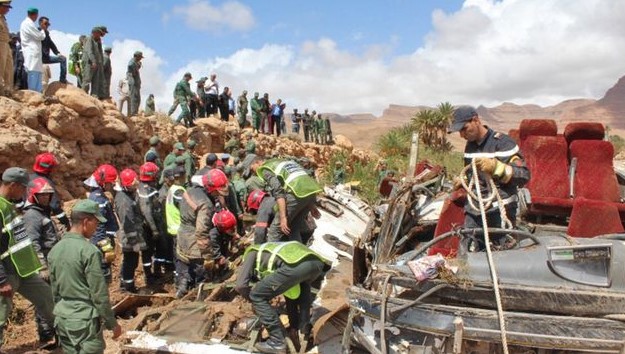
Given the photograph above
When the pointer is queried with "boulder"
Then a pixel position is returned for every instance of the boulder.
(110, 131)
(79, 101)
(344, 142)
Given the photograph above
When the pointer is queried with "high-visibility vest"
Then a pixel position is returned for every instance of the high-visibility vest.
(21, 250)
(293, 176)
(172, 213)
(291, 253)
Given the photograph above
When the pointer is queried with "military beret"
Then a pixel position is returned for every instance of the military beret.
(16, 174)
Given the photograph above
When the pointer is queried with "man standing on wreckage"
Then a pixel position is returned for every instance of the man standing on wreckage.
(496, 155)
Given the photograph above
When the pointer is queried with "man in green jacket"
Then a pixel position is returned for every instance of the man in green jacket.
(78, 285)
(134, 82)
(256, 106)
(19, 264)
(322, 130)
(92, 64)
(242, 109)
(182, 96)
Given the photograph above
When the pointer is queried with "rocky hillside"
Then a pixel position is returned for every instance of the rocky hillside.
(84, 132)
(363, 129)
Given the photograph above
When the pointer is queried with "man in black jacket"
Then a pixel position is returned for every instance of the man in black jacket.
(48, 45)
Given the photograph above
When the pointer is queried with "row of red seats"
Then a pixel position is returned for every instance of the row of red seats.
(593, 203)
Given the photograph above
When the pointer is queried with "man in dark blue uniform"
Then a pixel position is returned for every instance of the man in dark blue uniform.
(496, 155)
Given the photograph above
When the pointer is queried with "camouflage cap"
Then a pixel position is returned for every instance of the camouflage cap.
(15, 174)
(87, 206)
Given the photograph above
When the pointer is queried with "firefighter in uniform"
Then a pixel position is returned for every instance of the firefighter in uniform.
(497, 155)
(172, 201)
(44, 235)
(159, 245)
(102, 180)
(42, 168)
(295, 192)
(81, 294)
(19, 263)
(263, 205)
(131, 233)
(193, 249)
(286, 268)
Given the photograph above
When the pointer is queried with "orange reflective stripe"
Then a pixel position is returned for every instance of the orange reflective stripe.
(261, 224)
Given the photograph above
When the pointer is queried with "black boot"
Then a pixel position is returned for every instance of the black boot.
(149, 277)
(182, 287)
(128, 286)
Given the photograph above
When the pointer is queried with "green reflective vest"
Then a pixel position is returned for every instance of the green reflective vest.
(293, 176)
(291, 252)
(172, 213)
(21, 250)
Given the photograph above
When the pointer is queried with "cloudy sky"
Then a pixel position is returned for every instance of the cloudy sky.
(359, 56)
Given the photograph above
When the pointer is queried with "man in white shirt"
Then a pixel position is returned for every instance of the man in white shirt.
(212, 92)
(31, 38)
(124, 95)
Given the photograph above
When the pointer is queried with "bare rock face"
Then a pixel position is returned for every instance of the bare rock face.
(76, 99)
(344, 142)
(110, 131)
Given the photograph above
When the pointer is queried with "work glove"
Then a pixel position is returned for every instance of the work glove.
(457, 183)
(209, 265)
(107, 250)
(495, 168)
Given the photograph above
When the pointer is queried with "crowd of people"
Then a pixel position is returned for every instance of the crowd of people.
(179, 222)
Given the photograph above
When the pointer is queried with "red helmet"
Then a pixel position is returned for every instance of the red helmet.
(148, 172)
(253, 201)
(224, 220)
(105, 174)
(215, 180)
(220, 165)
(38, 186)
(128, 177)
(44, 163)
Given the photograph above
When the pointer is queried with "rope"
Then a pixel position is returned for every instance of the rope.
(489, 253)
(485, 202)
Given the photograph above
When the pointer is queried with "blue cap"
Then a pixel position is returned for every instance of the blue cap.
(462, 115)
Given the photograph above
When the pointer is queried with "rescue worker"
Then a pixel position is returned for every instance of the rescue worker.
(134, 82)
(170, 160)
(19, 263)
(339, 173)
(221, 235)
(6, 57)
(150, 106)
(168, 181)
(255, 105)
(232, 200)
(252, 180)
(286, 268)
(159, 245)
(210, 163)
(131, 234)
(295, 192)
(496, 155)
(43, 233)
(80, 291)
(250, 146)
(295, 120)
(42, 168)
(92, 64)
(193, 249)
(172, 202)
(201, 94)
(330, 139)
(307, 125)
(315, 127)
(242, 109)
(183, 96)
(265, 109)
(263, 206)
(108, 72)
(75, 57)
(152, 154)
(322, 130)
(102, 180)
(190, 160)
(239, 186)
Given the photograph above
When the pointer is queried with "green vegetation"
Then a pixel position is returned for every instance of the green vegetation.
(394, 147)
(618, 142)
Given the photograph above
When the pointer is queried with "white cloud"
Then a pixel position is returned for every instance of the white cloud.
(201, 15)
(488, 52)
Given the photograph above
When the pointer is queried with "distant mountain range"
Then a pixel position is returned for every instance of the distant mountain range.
(364, 129)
